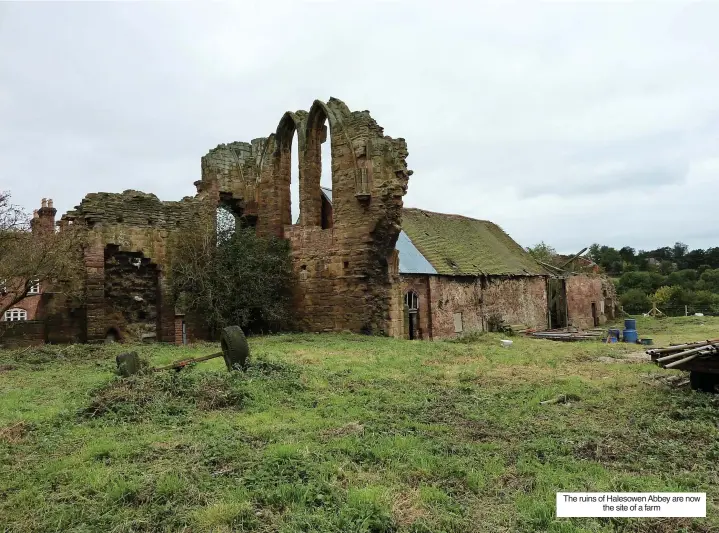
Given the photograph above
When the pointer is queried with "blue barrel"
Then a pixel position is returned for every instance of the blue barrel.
(630, 335)
(616, 333)
(630, 323)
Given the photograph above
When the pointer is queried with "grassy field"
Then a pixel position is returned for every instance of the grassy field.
(351, 433)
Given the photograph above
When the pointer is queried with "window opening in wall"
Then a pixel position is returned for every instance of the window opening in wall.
(411, 300)
(326, 150)
(15, 315)
(319, 166)
(361, 183)
(112, 336)
(458, 325)
(226, 222)
(295, 180)
(595, 316)
(34, 287)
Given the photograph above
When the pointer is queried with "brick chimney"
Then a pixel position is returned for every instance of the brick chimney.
(43, 219)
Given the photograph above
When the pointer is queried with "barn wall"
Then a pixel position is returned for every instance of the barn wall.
(582, 291)
(516, 300)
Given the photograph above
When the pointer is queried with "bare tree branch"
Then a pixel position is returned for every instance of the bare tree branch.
(53, 259)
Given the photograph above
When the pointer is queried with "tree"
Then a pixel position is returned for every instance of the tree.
(712, 257)
(679, 251)
(661, 254)
(627, 254)
(635, 301)
(231, 276)
(41, 256)
(709, 280)
(647, 282)
(606, 257)
(686, 278)
(542, 252)
(695, 259)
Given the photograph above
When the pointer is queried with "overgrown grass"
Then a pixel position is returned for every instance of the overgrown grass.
(350, 433)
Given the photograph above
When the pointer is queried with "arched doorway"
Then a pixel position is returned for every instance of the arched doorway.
(411, 300)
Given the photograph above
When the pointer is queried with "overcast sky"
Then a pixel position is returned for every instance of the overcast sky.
(571, 123)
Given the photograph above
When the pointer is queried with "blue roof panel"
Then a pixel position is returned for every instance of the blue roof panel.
(411, 261)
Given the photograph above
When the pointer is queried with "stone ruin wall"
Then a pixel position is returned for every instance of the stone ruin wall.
(585, 289)
(125, 260)
(347, 274)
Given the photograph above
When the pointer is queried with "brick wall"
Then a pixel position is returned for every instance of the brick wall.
(30, 303)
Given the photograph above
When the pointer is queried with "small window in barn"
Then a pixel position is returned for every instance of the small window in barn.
(303, 273)
(411, 300)
(15, 315)
(458, 326)
(34, 287)
(346, 264)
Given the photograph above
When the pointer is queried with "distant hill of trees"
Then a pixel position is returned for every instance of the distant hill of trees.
(677, 279)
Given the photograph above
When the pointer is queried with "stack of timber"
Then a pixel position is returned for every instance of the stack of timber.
(568, 334)
(678, 356)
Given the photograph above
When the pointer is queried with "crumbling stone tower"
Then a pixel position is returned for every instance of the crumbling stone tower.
(347, 267)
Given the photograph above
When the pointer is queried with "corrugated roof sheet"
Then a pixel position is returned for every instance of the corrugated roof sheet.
(411, 261)
(460, 246)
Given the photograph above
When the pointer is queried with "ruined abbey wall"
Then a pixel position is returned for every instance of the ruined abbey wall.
(345, 271)
(125, 261)
(346, 267)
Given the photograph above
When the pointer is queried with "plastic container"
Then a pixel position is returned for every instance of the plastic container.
(630, 335)
(616, 333)
(630, 323)
(647, 342)
(506, 343)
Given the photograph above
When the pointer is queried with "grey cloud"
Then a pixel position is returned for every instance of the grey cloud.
(581, 99)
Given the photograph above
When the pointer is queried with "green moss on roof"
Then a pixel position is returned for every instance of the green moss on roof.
(461, 246)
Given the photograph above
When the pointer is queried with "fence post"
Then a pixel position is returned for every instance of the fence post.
(686, 310)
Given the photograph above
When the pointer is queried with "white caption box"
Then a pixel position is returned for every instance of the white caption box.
(631, 504)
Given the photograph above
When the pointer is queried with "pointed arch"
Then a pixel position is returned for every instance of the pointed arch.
(321, 122)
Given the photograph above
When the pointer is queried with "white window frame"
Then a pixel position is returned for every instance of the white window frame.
(35, 287)
(411, 300)
(16, 314)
